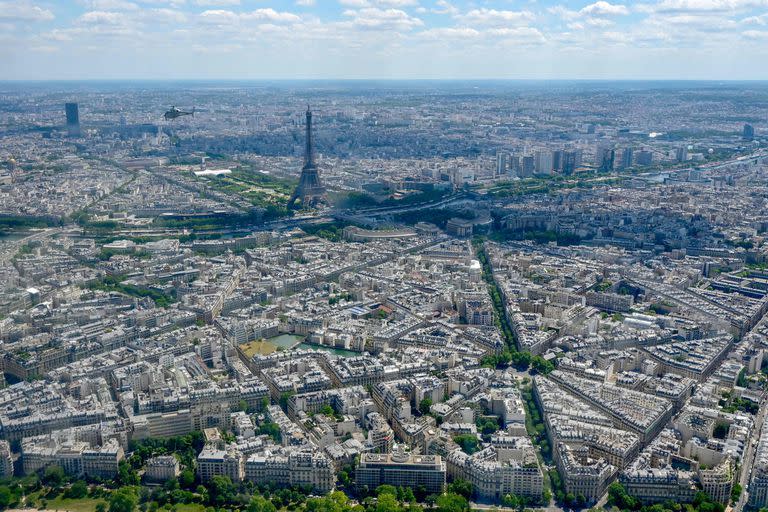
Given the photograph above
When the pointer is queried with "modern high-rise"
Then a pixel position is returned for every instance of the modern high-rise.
(644, 157)
(544, 162)
(557, 160)
(748, 133)
(73, 119)
(627, 158)
(501, 163)
(571, 160)
(529, 166)
(682, 154)
(606, 157)
(310, 191)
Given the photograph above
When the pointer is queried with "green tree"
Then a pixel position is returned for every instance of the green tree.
(187, 478)
(487, 426)
(272, 430)
(736, 492)
(53, 476)
(6, 497)
(221, 490)
(126, 475)
(461, 487)
(284, 398)
(618, 497)
(510, 500)
(521, 360)
(405, 495)
(387, 503)
(469, 443)
(541, 365)
(260, 504)
(77, 490)
(123, 500)
(386, 489)
(424, 406)
(451, 502)
(324, 504)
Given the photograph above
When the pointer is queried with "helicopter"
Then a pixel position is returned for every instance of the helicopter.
(174, 112)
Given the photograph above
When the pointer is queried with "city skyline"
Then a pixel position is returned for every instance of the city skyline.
(374, 39)
(373, 296)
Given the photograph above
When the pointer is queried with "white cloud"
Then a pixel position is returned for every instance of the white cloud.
(485, 16)
(359, 4)
(448, 33)
(520, 34)
(217, 3)
(267, 15)
(172, 3)
(603, 8)
(693, 6)
(563, 12)
(756, 34)
(599, 22)
(445, 7)
(397, 3)
(58, 35)
(489, 36)
(373, 18)
(305, 3)
(164, 15)
(111, 5)
(761, 20)
(219, 17)
(271, 15)
(24, 11)
(103, 18)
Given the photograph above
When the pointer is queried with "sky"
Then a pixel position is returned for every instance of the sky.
(383, 39)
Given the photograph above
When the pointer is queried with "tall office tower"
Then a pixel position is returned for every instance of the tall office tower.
(310, 190)
(557, 160)
(513, 164)
(644, 157)
(606, 157)
(73, 119)
(682, 154)
(544, 162)
(501, 163)
(529, 166)
(627, 158)
(571, 160)
(749, 132)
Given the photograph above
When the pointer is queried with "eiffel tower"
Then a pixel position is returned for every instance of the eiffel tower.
(310, 190)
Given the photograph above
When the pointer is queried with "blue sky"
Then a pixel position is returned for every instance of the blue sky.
(399, 39)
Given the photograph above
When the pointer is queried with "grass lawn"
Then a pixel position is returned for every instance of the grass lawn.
(70, 505)
(258, 347)
(189, 507)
